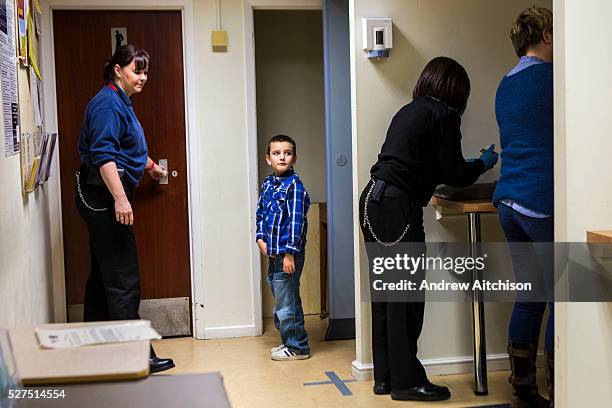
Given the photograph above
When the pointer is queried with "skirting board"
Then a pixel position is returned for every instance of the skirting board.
(224, 332)
(445, 366)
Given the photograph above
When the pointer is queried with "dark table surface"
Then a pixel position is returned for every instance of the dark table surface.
(184, 391)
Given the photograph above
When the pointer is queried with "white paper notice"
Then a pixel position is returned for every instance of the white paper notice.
(84, 336)
(34, 90)
(8, 70)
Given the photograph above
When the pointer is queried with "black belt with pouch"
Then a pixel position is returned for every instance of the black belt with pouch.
(94, 178)
(378, 190)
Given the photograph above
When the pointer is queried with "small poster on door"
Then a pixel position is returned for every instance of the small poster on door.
(118, 38)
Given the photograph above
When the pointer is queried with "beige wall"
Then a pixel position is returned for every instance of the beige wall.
(475, 32)
(289, 71)
(583, 198)
(31, 243)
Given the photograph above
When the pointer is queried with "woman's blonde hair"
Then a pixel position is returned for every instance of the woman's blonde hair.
(529, 28)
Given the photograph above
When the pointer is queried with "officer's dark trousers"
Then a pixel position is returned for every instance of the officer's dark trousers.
(396, 325)
(113, 286)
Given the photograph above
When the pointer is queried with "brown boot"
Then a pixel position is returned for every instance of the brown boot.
(523, 378)
(550, 376)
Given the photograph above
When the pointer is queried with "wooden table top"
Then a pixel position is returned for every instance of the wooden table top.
(603, 236)
(465, 206)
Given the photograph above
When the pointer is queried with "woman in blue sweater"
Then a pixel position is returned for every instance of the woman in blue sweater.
(114, 157)
(524, 193)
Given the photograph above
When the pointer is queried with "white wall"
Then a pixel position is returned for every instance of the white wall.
(227, 242)
(289, 72)
(31, 248)
(476, 33)
(583, 198)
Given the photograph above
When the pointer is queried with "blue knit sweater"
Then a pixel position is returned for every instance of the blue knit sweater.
(111, 132)
(524, 110)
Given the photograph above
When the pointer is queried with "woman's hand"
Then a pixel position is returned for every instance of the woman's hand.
(289, 264)
(123, 210)
(157, 172)
(489, 157)
(263, 248)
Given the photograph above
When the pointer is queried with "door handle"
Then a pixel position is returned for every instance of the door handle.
(164, 164)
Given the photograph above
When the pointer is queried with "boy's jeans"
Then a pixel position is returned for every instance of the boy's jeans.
(288, 312)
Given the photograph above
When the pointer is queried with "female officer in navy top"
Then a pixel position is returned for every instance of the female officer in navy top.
(421, 150)
(114, 157)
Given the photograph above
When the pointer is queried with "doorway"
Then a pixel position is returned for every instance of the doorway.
(83, 40)
(290, 101)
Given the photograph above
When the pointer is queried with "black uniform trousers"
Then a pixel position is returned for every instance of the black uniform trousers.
(113, 285)
(396, 325)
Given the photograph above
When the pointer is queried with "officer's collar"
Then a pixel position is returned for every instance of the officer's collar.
(126, 99)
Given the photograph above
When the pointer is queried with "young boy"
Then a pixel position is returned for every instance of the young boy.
(281, 235)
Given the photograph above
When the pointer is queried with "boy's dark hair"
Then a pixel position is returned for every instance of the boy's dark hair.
(282, 138)
(529, 28)
(445, 79)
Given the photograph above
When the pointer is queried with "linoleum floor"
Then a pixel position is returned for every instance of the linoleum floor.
(252, 380)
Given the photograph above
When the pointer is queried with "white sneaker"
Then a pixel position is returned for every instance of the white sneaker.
(287, 354)
(273, 349)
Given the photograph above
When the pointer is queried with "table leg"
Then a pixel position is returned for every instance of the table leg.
(478, 319)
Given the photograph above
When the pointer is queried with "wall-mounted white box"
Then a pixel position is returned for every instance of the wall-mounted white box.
(377, 36)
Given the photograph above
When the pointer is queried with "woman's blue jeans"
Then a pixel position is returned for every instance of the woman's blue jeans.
(288, 312)
(527, 316)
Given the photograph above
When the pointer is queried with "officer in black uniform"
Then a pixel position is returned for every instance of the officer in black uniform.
(422, 149)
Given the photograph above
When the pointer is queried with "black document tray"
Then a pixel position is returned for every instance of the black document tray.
(479, 191)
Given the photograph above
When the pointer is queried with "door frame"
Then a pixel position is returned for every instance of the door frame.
(249, 6)
(191, 133)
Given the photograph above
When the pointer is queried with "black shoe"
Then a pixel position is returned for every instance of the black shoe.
(157, 364)
(425, 392)
(160, 364)
(381, 388)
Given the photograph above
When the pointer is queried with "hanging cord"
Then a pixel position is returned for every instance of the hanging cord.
(366, 221)
(218, 15)
(78, 177)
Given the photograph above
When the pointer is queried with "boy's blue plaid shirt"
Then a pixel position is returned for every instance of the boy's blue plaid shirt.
(281, 214)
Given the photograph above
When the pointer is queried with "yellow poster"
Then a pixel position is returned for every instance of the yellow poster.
(32, 47)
